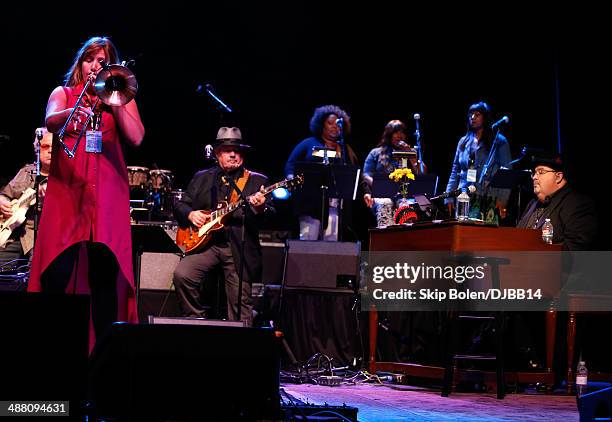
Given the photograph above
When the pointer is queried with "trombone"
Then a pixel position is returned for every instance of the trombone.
(115, 85)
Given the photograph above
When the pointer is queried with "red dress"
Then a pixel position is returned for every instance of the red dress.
(88, 199)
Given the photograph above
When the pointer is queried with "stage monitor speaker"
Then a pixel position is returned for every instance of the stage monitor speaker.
(44, 351)
(156, 270)
(195, 321)
(186, 372)
(322, 265)
(596, 406)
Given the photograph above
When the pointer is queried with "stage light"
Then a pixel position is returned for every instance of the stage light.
(281, 194)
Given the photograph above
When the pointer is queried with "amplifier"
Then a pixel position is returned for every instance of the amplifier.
(156, 270)
(157, 266)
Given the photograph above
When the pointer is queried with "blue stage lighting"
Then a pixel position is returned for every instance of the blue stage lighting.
(281, 194)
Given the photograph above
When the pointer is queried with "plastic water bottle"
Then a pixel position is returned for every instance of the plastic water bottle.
(463, 206)
(582, 378)
(547, 232)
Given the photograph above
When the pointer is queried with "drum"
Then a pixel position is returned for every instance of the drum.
(170, 201)
(138, 176)
(161, 179)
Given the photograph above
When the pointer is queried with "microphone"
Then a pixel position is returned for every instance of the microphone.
(471, 189)
(39, 134)
(402, 144)
(201, 88)
(340, 123)
(208, 152)
(504, 120)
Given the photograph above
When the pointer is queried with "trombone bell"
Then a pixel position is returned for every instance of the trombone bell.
(116, 85)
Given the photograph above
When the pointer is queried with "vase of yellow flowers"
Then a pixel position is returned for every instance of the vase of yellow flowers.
(404, 213)
(403, 177)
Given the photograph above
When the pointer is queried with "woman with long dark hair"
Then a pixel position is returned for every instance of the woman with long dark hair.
(380, 161)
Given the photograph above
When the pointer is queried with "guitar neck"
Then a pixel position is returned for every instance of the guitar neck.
(24, 199)
(234, 206)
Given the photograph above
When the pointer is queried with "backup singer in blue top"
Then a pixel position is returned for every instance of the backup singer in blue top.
(473, 150)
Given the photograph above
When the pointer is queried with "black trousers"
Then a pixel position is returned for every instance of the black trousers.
(102, 276)
(193, 270)
(12, 250)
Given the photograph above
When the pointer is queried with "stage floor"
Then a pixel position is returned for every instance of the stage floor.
(391, 402)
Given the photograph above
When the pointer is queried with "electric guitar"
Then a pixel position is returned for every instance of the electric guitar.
(20, 208)
(191, 239)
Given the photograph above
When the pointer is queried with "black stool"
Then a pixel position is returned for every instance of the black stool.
(453, 332)
(452, 358)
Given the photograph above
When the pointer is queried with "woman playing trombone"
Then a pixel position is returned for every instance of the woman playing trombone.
(84, 242)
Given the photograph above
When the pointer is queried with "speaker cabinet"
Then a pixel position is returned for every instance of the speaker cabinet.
(322, 265)
(156, 270)
(186, 372)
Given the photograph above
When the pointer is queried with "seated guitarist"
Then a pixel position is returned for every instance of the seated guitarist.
(21, 240)
(206, 192)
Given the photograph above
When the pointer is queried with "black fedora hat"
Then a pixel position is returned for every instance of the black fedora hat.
(549, 159)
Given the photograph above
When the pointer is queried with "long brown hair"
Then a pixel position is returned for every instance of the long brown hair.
(392, 127)
(487, 133)
(74, 76)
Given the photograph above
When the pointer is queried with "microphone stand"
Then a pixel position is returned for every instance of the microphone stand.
(344, 163)
(37, 181)
(417, 135)
(245, 204)
(221, 106)
(324, 199)
(485, 169)
(324, 191)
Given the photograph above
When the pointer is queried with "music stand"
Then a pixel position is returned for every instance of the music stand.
(509, 179)
(149, 238)
(403, 156)
(326, 181)
(423, 184)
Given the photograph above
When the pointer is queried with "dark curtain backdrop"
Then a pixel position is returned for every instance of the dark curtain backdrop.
(274, 62)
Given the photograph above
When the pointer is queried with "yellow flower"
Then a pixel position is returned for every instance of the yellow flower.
(399, 175)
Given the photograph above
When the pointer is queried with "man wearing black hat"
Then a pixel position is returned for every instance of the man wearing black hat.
(572, 214)
(205, 192)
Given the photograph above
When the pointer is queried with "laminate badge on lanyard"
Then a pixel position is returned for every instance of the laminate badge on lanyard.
(471, 175)
(93, 138)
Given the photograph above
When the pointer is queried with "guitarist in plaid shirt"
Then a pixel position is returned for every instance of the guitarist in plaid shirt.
(21, 240)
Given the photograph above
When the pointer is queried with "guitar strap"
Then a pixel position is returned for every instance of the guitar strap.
(241, 183)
